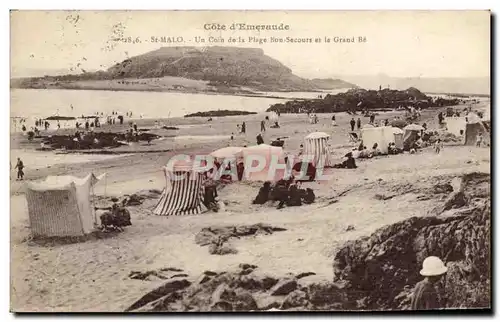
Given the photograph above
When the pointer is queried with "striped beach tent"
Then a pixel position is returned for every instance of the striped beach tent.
(183, 193)
(60, 206)
(317, 150)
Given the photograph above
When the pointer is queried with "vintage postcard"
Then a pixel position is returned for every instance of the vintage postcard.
(194, 161)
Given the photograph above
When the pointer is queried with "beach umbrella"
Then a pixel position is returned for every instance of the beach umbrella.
(227, 152)
(317, 135)
(413, 127)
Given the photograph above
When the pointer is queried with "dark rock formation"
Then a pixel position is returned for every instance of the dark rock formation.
(219, 113)
(384, 267)
(217, 237)
(362, 100)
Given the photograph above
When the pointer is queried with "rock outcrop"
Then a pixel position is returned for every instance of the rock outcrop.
(383, 268)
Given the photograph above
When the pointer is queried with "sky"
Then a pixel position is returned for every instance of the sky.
(398, 43)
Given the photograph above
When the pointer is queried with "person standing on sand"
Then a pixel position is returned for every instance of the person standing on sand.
(19, 166)
(438, 146)
(426, 296)
(353, 123)
(358, 123)
(238, 127)
(479, 139)
(243, 127)
(262, 126)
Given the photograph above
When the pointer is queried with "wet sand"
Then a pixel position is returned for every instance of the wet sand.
(92, 276)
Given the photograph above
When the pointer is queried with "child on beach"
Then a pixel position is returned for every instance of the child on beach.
(438, 146)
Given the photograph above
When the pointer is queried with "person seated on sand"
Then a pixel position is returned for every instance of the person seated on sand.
(375, 150)
(348, 163)
(294, 196)
(260, 140)
(361, 146)
(263, 195)
(210, 194)
(308, 196)
(419, 143)
(275, 126)
(363, 154)
(392, 148)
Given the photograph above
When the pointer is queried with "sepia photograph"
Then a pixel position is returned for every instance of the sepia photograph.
(250, 161)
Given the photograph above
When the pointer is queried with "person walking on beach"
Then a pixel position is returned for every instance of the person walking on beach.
(353, 123)
(358, 123)
(243, 127)
(262, 126)
(426, 295)
(19, 167)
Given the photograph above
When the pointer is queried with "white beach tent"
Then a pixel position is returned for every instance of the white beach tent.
(398, 137)
(184, 191)
(382, 135)
(273, 158)
(316, 148)
(60, 206)
(274, 116)
(456, 125)
(228, 152)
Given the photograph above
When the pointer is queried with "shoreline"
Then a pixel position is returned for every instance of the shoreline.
(166, 90)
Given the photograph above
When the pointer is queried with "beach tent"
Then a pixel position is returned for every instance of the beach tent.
(473, 129)
(398, 137)
(455, 125)
(316, 148)
(412, 133)
(273, 158)
(274, 117)
(227, 152)
(184, 191)
(382, 135)
(60, 206)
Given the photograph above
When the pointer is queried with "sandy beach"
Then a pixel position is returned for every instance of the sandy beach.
(93, 275)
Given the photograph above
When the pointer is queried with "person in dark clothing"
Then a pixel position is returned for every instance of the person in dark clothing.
(262, 126)
(243, 127)
(349, 163)
(263, 195)
(87, 125)
(260, 140)
(310, 172)
(358, 123)
(294, 197)
(20, 167)
(135, 127)
(24, 128)
(440, 117)
(372, 118)
(361, 146)
(353, 123)
(386, 122)
(426, 295)
(308, 197)
(240, 169)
